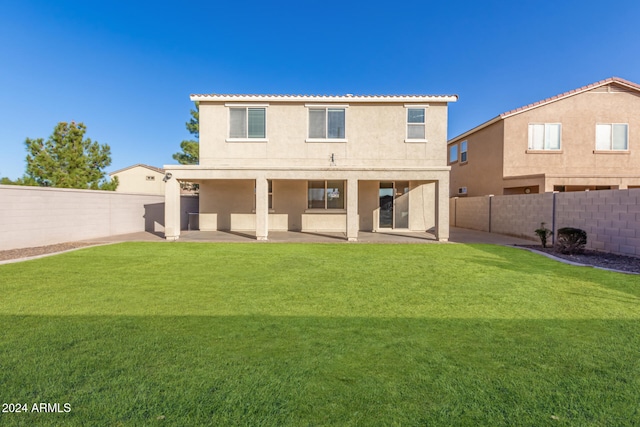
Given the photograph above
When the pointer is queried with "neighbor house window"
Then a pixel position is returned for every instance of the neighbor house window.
(325, 195)
(612, 137)
(453, 153)
(151, 178)
(416, 123)
(544, 136)
(327, 123)
(247, 123)
(463, 151)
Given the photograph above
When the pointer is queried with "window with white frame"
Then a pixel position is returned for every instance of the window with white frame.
(544, 136)
(416, 123)
(325, 195)
(612, 136)
(463, 151)
(247, 122)
(327, 123)
(453, 153)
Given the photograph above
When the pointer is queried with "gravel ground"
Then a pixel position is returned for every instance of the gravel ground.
(593, 258)
(41, 250)
(597, 259)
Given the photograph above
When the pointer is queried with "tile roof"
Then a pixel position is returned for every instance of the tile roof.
(586, 88)
(616, 80)
(153, 168)
(332, 98)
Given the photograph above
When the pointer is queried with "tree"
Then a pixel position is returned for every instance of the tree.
(190, 148)
(67, 160)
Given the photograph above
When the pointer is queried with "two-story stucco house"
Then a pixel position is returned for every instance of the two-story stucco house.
(318, 164)
(585, 139)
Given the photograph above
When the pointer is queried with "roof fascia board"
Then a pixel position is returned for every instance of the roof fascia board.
(323, 98)
(475, 129)
(565, 95)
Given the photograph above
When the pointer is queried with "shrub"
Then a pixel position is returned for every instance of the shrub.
(571, 240)
(543, 233)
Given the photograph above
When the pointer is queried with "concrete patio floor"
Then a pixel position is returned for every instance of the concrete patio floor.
(457, 235)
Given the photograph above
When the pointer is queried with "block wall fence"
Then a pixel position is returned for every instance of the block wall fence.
(611, 218)
(37, 216)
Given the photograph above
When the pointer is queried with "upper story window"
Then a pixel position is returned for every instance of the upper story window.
(463, 151)
(614, 136)
(327, 123)
(453, 153)
(544, 136)
(247, 123)
(150, 178)
(416, 120)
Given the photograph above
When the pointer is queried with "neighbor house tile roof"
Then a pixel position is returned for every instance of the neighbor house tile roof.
(153, 168)
(615, 80)
(586, 88)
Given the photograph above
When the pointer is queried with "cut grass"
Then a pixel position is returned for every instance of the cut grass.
(284, 334)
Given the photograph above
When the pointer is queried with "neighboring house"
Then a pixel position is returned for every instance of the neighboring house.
(140, 178)
(585, 139)
(318, 164)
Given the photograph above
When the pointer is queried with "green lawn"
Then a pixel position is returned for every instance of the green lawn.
(310, 335)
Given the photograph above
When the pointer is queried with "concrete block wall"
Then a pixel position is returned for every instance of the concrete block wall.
(470, 212)
(611, 218)
(519, 215)
(36, 216)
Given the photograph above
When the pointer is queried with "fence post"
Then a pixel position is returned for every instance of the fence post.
(553, 219)
(490, 200)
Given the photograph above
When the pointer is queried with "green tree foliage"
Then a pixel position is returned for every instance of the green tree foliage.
(190, 148)
(68, 160)
(25, 180)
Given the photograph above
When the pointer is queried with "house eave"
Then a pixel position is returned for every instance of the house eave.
(325, 98)
(475, 129)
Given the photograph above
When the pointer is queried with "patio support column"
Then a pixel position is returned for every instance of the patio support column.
(442, 208)
(172, 209)
(352, 210)
(262, 209)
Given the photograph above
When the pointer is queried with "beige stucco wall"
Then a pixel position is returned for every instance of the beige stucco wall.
(368, 203)
(225, 197)
(482, 172)
(375, 136)
(134, 180)
(35, 216)
(576, 162)
(290, 197)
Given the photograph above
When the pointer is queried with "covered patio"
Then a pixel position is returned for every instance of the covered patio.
(343, 203)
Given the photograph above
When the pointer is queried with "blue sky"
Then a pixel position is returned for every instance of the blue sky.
(126, 68)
